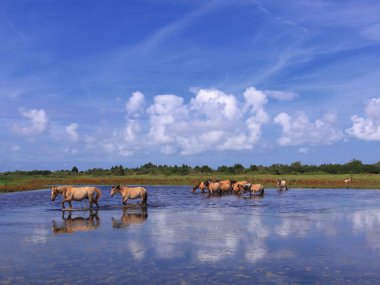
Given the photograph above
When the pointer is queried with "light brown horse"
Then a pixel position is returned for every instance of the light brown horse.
(219, 187)
(348, 180)
(236, 186)
(71, 193)
(130, 193)
(130, 217)
(201, 185)
(226, 186)
(252, 188)
(76, 224)
(213, 186)
(281, 185)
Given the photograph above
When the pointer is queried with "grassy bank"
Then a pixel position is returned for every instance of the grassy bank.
(18, 182)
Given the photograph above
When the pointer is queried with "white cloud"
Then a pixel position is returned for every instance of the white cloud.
(211, 120)
(299, 130)
(367, 128)
(166, 112)
(71, 131)
(38, 122)
(135, 103)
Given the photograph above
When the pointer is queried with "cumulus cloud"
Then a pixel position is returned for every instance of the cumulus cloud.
(299, 130)
(210, 120)
(135, 103)
(38, 122)
(71, 131)
(367, 128)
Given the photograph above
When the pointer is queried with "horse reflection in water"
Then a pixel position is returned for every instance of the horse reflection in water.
(131, 216)
(76, 224)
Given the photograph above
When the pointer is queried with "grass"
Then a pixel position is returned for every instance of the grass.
(18, 182)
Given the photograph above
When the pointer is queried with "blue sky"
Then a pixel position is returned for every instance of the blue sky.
(102, 83)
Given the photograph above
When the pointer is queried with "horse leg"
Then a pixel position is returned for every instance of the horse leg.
(90, 200)
(125, 200)
(63, 204)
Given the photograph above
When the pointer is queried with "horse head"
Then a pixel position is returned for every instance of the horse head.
(115, 189)
(54, 193)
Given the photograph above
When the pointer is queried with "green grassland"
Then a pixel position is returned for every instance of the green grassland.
(12, 182)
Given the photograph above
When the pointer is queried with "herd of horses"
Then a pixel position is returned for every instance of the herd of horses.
(93, 194)
(236, 187)
(210, 186)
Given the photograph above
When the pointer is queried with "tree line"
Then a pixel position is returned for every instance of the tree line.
(352, 167)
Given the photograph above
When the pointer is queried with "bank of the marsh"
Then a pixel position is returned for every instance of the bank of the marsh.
(20, 182)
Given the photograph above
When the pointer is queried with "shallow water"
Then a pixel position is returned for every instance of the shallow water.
(294, 237)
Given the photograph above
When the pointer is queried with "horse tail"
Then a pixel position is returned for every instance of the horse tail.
(98, 194)
(145, 199)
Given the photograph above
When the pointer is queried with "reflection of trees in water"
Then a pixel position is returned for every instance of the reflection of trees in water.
(72, 224)
(130, 216)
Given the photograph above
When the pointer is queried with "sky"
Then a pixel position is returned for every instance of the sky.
(94, 84)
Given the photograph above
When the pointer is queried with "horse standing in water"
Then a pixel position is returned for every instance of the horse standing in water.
(281, 185)
(252, 188)
(201, 186)
(71, 193)
(236, 186)
(130, 193)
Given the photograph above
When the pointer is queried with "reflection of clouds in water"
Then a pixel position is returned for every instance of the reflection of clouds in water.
(299, 228)
(258, 228)
(255, 251)
(39, 235)
(137, 249)
(165, 236)
(226, 246)
(368, 222)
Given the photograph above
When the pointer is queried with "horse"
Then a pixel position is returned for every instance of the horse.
(71, 193)
(130, 218)
(252, 188)
(235, 186)
(201, 185)
(348, 180)
(130, 193)
(226, 186)
(213, 186)
(281, 184)
(76, 224)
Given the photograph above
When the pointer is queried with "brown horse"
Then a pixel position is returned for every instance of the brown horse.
(130, 217)
(76, 224)
(252, 188)
(201, 185)
(212, 186)
(236, 186)
(226, 186)
(281, 185)
(130, 193)
(348, 180)
(71, 193)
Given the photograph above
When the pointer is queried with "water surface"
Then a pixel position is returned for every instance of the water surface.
(294, 237)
